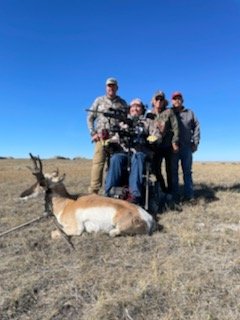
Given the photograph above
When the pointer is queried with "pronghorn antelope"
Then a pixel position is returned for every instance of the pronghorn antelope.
(90, 213)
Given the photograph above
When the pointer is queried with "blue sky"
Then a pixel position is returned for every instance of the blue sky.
(55, 56)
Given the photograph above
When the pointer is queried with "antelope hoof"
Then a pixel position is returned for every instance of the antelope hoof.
(114, 232)
(55, 234)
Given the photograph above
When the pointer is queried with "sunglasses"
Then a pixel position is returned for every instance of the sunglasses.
(159, 98)
(111, 85)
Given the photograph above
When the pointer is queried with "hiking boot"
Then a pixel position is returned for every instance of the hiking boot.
(190, 201)
(177, 207)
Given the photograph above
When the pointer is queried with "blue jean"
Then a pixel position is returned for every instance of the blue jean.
(185, 157)
(117, 172)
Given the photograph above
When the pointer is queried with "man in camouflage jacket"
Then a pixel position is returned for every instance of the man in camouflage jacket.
(99, 125)
(167, 123)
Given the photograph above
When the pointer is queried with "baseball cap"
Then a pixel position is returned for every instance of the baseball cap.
(177, 94)
(159, 93)
(136, 101)
(111, 81)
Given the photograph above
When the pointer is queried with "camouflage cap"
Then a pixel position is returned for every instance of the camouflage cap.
(111, 81)
(159, 93)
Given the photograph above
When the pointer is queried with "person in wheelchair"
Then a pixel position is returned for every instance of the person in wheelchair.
(130, 148)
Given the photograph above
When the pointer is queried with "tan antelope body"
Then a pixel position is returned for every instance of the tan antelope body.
(93, 213)
(90, 213)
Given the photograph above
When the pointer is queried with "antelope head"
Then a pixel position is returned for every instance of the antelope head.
(44, 181)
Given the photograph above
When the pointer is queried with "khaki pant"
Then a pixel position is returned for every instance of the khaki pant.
(98, 163)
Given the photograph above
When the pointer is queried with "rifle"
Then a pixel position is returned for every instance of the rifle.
(117, 114)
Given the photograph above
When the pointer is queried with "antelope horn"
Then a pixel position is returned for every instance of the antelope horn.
(37, 170)
(34, 160)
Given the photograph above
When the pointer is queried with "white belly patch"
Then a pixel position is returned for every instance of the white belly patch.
(96, 219)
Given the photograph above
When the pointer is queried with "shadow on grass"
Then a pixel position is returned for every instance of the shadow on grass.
(208, 193)
(234, 188)
(205, 192)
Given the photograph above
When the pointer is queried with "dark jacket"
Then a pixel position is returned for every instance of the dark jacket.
(189, 127)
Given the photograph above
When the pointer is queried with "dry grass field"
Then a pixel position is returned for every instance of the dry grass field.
(189, 270)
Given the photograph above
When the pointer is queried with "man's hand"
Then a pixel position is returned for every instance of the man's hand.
(175, 147)
(96, 137)
(194, 147)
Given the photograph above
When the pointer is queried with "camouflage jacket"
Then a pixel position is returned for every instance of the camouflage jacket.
(167, 124)
(96, 122)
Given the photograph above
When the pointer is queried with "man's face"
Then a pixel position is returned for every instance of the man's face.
(111, 90)
(177, 102)
(135, 110)
(158, 104)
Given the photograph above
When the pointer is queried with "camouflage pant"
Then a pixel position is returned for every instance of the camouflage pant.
(98, 163)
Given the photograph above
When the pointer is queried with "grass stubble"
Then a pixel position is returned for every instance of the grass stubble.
(190, 270)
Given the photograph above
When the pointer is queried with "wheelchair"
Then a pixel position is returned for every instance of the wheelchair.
(153, 199)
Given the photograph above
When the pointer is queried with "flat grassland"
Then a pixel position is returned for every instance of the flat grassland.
(189, 270)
